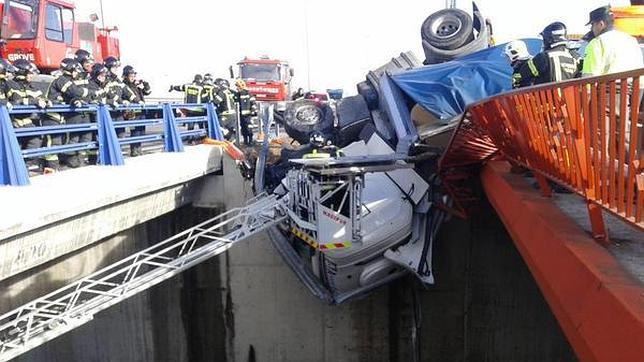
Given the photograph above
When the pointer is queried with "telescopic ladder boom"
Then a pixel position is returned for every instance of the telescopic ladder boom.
(76, 304)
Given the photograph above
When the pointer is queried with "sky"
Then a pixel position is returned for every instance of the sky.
(329, 43)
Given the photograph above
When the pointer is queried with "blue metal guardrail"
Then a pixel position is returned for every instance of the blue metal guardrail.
(13, 170)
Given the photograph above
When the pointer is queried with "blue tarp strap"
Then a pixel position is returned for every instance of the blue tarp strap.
(109, 149)
(13, 170)
(214, 130)
(172, 138)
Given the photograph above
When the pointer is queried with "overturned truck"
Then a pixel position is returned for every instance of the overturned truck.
(365, 207)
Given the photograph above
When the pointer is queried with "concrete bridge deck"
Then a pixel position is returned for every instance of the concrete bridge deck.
(63, 212)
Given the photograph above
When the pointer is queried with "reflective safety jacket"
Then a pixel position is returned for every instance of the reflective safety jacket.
(612, 52)
(133, 93)
(227, 105)
(553, 65)
(192, 92)
(114, 85)
(211, 94)
(64, 90)
(4, 89)
(246, 102)
(22, 92)
(518, 68)
(102, 93)
(82, 80)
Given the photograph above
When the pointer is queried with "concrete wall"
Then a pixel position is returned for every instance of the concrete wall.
(247, 306)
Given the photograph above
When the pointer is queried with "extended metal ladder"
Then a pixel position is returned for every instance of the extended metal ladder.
(73, 305)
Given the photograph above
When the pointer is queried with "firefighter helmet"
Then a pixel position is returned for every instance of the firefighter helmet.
(69, 65)
(23, 67)
(83, 56)
(516, 50)
(6, 67)
(128, 70)
(222, 83)
(197, 79)
(207, 76)
(317, 139)
(98, 69)
(240, 84)
(111, 62)
(554, 34)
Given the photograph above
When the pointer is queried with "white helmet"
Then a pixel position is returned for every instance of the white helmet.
(516, 50)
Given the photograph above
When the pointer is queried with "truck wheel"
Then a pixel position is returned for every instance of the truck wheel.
(435, 55)
(447, 29)
(278, 117)
(304, 116)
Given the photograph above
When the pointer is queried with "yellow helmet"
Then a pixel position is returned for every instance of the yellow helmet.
(240, 83)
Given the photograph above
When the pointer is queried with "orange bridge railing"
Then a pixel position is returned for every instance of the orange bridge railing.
(584, 134)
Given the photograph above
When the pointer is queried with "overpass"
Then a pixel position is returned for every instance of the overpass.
(583, 276)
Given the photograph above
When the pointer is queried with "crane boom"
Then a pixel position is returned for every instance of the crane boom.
(76, 304)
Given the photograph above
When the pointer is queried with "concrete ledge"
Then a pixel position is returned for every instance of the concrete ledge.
(598, 303)
(64, 212)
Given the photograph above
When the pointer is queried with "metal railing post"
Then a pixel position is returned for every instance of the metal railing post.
(109, 149)
(172, 138)
(214, 129)
(13, 170)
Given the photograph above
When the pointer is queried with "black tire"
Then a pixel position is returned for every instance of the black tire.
(369, 93)
(305, 116)
(278, 117)
(435, 55)
(447, 29)
(353, 115)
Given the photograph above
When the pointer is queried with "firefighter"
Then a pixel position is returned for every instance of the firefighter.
(85, 59)
(134, 91)
(246, 105)
(322, 147)
(209, 89)
(63, 90)
(21, 91)
(102, 94)
(556, 62)
(115, 86)
(6, 69)
(610, 50)
(226, 106)
(193, 94)
(518, 55)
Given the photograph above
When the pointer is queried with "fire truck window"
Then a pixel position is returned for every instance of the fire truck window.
(53, 23)
(21, 21)
(68, 25)
(260, 72)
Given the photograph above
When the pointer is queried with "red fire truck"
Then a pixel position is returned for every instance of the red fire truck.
(46, 31)
(269, 80)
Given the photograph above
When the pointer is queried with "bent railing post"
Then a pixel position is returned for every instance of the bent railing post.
(172, 138)
(214, 129)
(109, 149)
(13, 170)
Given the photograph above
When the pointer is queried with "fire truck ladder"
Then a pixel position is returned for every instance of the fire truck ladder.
(76, 304)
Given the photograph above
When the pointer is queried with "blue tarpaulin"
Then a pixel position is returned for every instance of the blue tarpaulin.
(446, 89)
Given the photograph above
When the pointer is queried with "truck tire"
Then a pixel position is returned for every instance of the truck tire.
(447, 29)
(435, 55)
(353, 115)
(305, 116)
(369, 94)
(278, 116)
